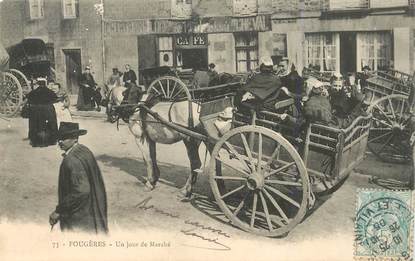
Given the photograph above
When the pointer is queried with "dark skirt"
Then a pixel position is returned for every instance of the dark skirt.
(43, 127)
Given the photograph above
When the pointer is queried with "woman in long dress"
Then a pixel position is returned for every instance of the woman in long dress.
(43, 127)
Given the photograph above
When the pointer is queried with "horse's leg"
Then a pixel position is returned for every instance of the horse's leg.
(153, 157)
(143, 145)
(192, 148)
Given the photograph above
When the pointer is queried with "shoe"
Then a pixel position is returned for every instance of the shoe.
(98, 109)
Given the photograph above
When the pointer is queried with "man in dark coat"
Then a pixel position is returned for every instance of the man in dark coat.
(264, 86)
(91, 96)
(129, 75)
(82, 197)
(43, 127)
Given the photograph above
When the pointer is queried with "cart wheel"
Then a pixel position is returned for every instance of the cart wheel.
(265, 183)
(11, 95)
(169, 89)
(389, 134)
(24, 82)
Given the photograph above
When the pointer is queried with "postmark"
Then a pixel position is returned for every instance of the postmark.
(383, 225)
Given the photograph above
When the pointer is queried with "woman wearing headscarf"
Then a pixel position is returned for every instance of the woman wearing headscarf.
(43, 127)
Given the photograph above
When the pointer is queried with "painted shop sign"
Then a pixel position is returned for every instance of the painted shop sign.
(212, 25)
(241, 24)
(191, 40)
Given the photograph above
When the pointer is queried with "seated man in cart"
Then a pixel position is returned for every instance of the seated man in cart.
(347, 102)
(263, 86)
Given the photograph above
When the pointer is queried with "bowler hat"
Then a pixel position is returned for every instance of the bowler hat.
(69, 130)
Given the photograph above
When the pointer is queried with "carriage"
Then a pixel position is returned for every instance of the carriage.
(28, 60)
(387, 94)
(264, 174)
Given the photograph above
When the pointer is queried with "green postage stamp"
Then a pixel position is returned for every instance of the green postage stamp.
(383, 225)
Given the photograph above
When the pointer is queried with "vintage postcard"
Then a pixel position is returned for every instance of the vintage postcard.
(207, 129)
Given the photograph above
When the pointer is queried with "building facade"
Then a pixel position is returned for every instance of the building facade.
(335, 35)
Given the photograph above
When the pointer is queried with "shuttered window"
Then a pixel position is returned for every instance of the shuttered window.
(36, 9)
(70, 9)
(165, 49)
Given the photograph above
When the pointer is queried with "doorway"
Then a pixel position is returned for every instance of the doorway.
(196, 59)
(348, 47)
(73, 69)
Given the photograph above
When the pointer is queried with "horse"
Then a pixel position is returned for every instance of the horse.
(114, 97)
(147, 132)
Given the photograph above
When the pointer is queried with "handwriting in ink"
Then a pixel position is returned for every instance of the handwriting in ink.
(214, 241)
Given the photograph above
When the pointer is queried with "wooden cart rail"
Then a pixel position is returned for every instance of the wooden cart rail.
(217, 92)
(381, 86)
(344, 147)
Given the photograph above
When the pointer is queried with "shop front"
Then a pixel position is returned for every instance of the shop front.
(232, 43)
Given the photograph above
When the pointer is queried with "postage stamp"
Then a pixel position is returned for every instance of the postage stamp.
(383, 225)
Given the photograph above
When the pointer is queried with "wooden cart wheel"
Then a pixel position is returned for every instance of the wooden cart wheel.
(265, 185)
(24, 82)
(11, 95)
(389, 134)
(169, 89)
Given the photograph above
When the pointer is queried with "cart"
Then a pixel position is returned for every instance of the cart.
(263, 173)
(28, 60)
(388, 94)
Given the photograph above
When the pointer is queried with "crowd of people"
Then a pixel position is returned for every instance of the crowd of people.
(334, 103)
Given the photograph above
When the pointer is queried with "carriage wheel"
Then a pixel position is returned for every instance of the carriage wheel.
(169, 89)
(389, 134)
(11, 95)
(265, 185)
(24, 82)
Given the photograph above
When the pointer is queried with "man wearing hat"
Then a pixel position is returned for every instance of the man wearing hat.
(264, 86)
(82, 198)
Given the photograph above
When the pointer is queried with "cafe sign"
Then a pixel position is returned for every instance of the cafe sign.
(191, 40)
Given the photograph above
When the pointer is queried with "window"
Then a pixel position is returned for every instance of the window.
(181, 8)
(165, 50)
(322, 50)
(389, 3)
(245, 7)
(374, 50)
(70, 9)
(246, 47)
(36, 9)
(348, 4)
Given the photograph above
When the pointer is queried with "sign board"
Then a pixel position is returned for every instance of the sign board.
(227, 24)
